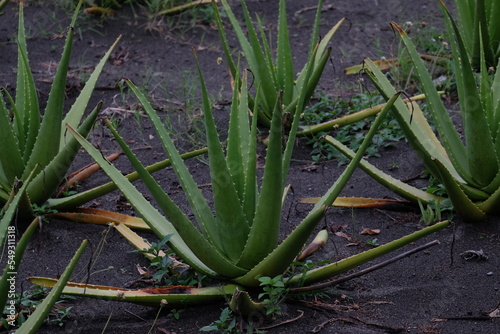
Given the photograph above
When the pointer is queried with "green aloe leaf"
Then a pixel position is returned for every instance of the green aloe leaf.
(11, 161)
(161, 226)
(43, 185)
(184, 228)
(47, 141)
(482, 165)
(27, 120)
(284, 62)
(11, 267)
(449, 136)
(197, 202)
(418, 131)
(173, 296)
(233, 227)
(76, 200)
(342, 266)
(404, 190)
(37, 318)
(264, 233)
(77, 110)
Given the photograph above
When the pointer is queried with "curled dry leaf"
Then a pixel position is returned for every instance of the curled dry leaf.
(369, 231)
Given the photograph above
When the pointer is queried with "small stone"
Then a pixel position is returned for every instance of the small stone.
(489, 273)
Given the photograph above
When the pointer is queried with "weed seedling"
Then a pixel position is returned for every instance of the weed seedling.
(326, 108)
(226, 324)
(274, 293)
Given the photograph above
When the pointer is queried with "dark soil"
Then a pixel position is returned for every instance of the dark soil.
(407, 296)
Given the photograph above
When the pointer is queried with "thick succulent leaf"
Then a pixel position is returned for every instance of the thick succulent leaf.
(491, 205)
(449, 136)
(493, 28)
(251, 186)
(11, 161)
(404, 190)
(45, 184)
(37, 318)
(466, 13)
(10, 270)
(494, 120)
(155, 220)
(73, 201)
(27, 120)
(348, 119)
(342, 266)
(284, 62)
(483, 165)
(254, 55)
(47, 141)
(264, 232)
(461, 202)
(199, 245)
(174, 296)
(280, 258)
(199, 206)
(11, 208)
(75, 114)
(317, 53)
(233, 227)
(238, 136)
(481, 46)
(418, 131)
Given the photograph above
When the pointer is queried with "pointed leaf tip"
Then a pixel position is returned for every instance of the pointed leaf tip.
(397, 28)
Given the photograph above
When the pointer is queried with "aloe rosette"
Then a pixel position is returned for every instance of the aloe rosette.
(465, 162)
(30, 140)
(238, 239)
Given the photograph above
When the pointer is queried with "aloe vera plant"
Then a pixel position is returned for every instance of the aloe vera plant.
(239, 240)
(479, 30)
(469, 168)
(272, 74)
(30, 140)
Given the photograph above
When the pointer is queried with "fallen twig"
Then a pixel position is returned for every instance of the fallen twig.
(283, 322)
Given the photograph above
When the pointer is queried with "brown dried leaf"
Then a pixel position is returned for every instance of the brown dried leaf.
(369, 231)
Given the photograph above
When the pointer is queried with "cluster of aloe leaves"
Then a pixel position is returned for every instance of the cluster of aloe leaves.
(469, 169)
(271, 74)
(238, 239)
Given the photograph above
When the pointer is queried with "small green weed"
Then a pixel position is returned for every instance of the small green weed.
(373, 242)
(28, 301)
(166, 271)
(226, 324)
(274, 291)
(326, 107)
